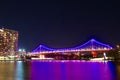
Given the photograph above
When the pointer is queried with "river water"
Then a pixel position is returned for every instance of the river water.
(59, 70)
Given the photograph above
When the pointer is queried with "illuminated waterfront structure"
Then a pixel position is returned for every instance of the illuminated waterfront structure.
(92, 47)
(8, 42)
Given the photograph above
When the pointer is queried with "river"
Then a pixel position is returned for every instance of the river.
(59, 70)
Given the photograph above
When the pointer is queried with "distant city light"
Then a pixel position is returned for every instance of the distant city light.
(21, 50)
(1, 30)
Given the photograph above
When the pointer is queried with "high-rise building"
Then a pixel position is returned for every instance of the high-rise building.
(8, 42)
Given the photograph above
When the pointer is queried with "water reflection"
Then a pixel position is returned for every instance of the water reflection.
(59, 70)
(118, 70)
(6, 70)
(22, 70)
(19, 73)
(73, 70)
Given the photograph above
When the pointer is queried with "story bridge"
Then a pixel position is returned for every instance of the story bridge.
(93, 46)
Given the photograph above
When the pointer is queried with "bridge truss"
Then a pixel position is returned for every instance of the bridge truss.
(89, 46)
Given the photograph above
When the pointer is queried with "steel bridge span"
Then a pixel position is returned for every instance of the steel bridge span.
(92, 46)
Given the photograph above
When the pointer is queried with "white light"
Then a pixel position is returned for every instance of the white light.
(23, 50)
(1, 30)
(104, 55)
(20, 50)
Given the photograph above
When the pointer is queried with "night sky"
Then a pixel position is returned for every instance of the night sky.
(60, 24)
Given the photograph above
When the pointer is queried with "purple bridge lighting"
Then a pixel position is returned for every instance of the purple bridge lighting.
(91, 45)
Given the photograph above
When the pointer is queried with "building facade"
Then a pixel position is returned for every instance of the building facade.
(8, 42)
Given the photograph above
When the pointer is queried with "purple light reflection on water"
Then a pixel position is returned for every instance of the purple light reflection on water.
(71, 70)
(59, 70)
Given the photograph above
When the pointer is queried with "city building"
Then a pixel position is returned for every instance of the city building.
(8, 42)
